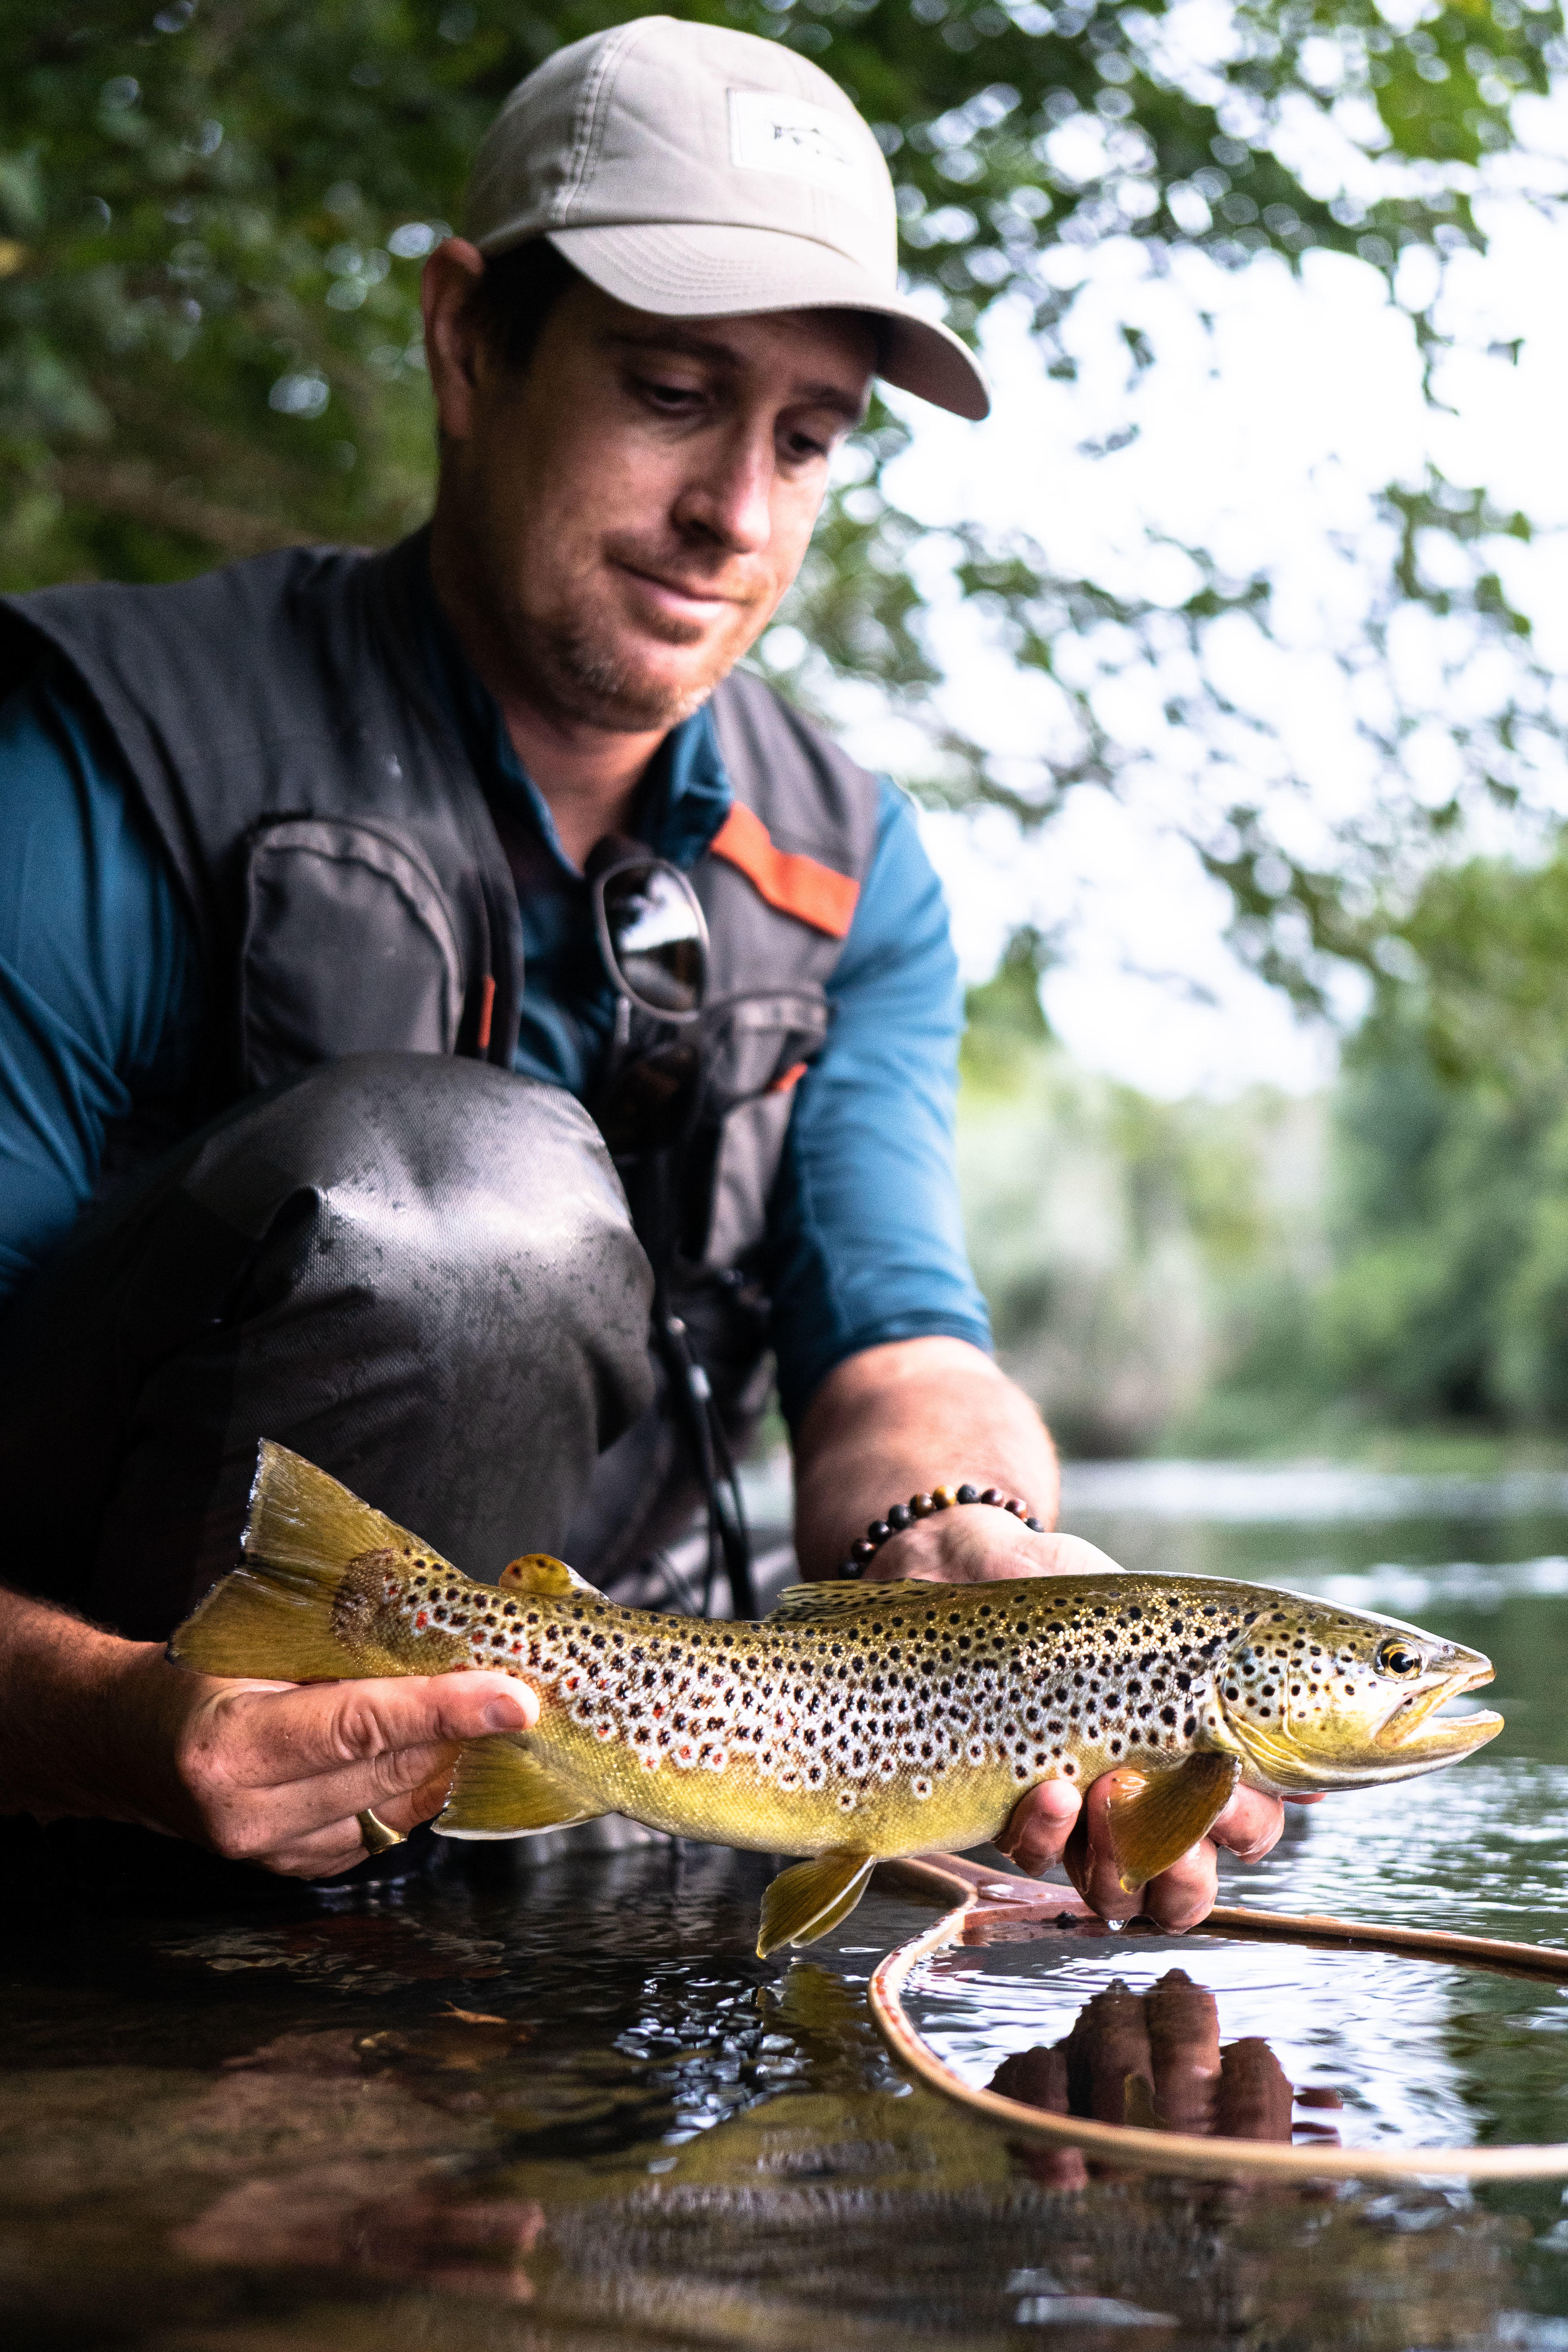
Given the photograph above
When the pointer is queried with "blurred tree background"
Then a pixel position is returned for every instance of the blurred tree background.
(212, 218)
(1383, 1268)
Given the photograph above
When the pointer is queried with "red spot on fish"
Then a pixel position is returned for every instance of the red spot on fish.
(421, 1621)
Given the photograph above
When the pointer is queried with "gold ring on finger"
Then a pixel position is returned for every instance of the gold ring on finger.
(378, 1838)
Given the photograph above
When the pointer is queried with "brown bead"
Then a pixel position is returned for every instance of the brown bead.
(944, 1498)
(921, 1506)
(994, 1494)
(862, 1551)
(1019, 1510)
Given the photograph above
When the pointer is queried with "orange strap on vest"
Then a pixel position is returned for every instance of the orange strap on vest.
(797, 885)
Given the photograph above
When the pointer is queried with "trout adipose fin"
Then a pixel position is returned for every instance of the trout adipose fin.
(537, 1572)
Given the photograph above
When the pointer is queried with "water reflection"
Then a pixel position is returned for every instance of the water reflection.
(571, 2113)
(1154, 2060)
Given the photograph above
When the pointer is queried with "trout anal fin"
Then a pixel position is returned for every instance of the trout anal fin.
(500, 1791)
(1153, 1825)
(811, 1898)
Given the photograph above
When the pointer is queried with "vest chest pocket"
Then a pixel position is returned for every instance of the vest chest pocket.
(757, 1043)
(348, 947)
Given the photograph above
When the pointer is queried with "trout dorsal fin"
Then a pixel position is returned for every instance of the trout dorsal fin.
(798, 1603)
(550, 1580)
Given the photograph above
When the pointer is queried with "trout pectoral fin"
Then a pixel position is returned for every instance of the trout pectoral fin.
(1153, 1827)
(499, 1790)
(811, 1898)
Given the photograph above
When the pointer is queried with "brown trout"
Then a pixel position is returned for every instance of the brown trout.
(857, 1722)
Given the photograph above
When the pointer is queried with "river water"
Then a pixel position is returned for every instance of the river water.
(489, 2108)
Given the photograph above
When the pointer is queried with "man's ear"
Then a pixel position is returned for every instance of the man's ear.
(452, 343)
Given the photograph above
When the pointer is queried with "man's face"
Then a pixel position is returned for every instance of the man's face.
(630, 511)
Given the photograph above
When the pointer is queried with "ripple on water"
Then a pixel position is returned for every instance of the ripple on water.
(1417, 2051)
(1408, 2050)
(1480, 1849)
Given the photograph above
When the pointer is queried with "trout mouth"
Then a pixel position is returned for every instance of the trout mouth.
(1417, 1733)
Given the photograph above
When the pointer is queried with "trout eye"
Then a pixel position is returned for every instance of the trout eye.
(1396, 1657)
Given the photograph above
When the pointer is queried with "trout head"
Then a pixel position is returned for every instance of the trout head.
(1312, 1697)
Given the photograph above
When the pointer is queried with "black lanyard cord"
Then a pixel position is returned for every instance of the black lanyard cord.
(691, 1394)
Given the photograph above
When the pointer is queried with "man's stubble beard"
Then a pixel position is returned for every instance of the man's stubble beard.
(588, 680)
(569, 660)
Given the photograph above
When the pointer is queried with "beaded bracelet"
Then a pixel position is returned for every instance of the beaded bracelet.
(920, 1506)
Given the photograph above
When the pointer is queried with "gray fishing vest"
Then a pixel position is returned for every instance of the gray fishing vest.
(349, 891)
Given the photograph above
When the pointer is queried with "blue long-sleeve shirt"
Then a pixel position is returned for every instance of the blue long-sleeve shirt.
(102, 1009)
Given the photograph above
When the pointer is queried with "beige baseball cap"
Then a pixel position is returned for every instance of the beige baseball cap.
(698, 173)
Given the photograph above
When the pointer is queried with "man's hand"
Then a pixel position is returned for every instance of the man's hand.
(901, 1419)
(952, 1548)
(1042, 1824)
(268, 1773)
(275, 1775)
(974, 1546)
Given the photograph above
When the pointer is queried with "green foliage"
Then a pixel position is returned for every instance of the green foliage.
(202, 316)
(1451, 1290)
(1228, 1276)
(212, 213)
(1147, 1264)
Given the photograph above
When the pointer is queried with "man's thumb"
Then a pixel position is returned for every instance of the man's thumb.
(469, 1706)
(431, 1710)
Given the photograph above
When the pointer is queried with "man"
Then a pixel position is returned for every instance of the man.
(335, 885)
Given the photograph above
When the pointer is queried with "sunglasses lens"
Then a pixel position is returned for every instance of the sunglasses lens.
(656, 937)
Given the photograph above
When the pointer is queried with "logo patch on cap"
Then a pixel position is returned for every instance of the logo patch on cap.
(772, 132)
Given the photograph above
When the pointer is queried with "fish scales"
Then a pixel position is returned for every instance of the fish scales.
(890, 1718)
(858, 1721)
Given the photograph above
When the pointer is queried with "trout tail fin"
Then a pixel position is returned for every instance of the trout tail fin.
(273, 1617)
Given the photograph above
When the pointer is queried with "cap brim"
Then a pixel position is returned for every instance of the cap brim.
(703, 270)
